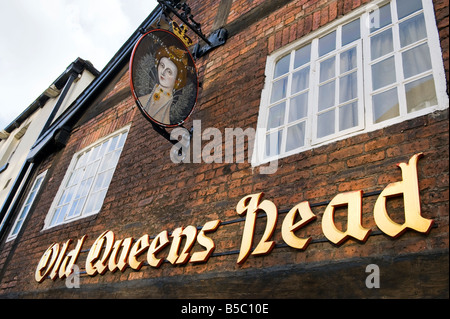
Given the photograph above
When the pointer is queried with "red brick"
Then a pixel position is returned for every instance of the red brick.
(150, 194)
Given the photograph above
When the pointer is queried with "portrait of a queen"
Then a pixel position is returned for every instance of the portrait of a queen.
(164, 79)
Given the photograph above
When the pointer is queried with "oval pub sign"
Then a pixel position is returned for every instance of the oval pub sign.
(163, 78)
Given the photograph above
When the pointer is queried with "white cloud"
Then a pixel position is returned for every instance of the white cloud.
(40, 38)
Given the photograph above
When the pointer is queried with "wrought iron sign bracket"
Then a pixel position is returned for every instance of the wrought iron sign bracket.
(216, 39)
(183, 12)
(161, 130)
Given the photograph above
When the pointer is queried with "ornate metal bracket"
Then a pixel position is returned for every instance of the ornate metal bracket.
(163, 132)
(183, 12)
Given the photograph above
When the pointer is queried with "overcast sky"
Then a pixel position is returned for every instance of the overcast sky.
(39, 39)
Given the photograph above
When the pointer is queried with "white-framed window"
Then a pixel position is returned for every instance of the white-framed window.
(26, 206)
(87, 180)
(377, 66)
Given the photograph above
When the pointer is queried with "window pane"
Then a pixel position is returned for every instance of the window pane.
(276, 116)
(273, 143)
(381, 44)
(95, 202)
(351, 32)
(99, 181)
(298, 108)
(420, 94)
(90, 204)
(82, 160)
(67, 196)
(406, 7)
(37, 184)
(327, 69)
(20, 221)
(91, 169)
(95, 153)
(412, 30)
(60, 213)
(295, 136)
(348, 87)
(75, 178)
(326, 95)
(282, 66)
(113, 144)
(279, 90)
(110, 160)
(84, 188)
(416, 61)
(325, 124)
(300, 80)
(16, 228)
(100, 199)
(348, 60)
(383, 73)
(107, 179)
(348, 116)
(327, 43)
(385, 106)
(123, 137)
(24, 212)
(380, 18)
(75, 210)
(30, 198)
(102, 149)
(302, 56)
(115, 158)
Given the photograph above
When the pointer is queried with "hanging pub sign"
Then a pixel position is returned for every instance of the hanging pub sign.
(163, 78)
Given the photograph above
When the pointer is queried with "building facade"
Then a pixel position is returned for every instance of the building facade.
(317, 166)
(18, 138)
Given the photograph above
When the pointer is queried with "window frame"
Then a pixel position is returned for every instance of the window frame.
(364, 83)
(34, 191)
(48, 223)
(314, 140)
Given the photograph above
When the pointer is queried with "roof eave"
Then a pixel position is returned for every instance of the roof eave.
(82, 101)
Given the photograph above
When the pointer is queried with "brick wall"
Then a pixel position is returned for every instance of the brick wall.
(150, 194)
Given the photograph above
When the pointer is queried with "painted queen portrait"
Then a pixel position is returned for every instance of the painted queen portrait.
(164, 79)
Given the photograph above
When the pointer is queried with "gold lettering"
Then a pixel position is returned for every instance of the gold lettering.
(121, 264)
(158, 244)
(139, 247)
(288, 228)
(95, 264)
(66, 268)
(251, 205)
(409, 187)
(354, 226)
(190, 233)
(108, 254)
(208, 243)
(46, 263)
(62, 252)
(173, 253)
